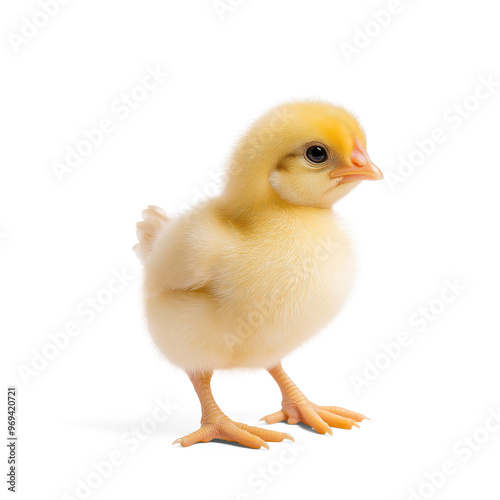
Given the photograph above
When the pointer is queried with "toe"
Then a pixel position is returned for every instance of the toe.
(232, 432)
(265, 434)
(336, 420)
(310, 417)
(357, 417)
(273, 418)
(205, 433)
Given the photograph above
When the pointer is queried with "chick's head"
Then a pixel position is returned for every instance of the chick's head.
(307, 153)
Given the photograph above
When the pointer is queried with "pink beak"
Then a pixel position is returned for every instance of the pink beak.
(362, 167)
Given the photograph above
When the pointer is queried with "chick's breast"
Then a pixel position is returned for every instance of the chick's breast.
(290, 278)
(273, 286)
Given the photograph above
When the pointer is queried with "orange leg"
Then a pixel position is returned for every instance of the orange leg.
(297, 408)
(216, 425)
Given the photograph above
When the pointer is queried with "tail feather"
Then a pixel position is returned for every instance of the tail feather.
(154, 218)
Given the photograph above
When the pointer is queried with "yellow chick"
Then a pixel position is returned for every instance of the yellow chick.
(246, 278)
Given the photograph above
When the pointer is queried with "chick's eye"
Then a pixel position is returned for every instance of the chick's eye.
(316, 154)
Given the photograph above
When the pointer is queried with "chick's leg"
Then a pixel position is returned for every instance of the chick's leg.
(216, 425)
(297, 408)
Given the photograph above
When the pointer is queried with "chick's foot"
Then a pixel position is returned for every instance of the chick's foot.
(227, 430)
(320, 418)
(297, 408)
(216, 425)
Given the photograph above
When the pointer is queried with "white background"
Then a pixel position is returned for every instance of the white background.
(61, 240)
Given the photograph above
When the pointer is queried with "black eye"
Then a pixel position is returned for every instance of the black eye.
(316, 154)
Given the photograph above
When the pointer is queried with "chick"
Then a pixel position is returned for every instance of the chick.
(250, 275)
